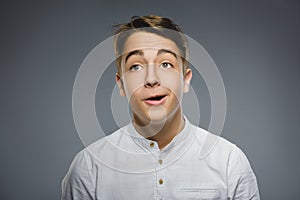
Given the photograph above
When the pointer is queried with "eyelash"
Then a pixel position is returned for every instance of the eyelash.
(167, 63)
(161, 65)
(133, 66)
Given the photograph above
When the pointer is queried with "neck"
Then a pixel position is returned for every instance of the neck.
(161, 132)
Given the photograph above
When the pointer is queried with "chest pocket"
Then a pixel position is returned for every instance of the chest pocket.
(202, 192)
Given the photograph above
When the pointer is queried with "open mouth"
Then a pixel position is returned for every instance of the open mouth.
(155, 100)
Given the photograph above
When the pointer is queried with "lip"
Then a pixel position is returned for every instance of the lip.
(156, 102)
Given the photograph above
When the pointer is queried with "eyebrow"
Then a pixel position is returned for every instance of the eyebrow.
(161, 51)
(140, 52)
(135, 52)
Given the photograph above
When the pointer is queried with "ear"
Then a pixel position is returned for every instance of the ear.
(120, 84)
(187, 79)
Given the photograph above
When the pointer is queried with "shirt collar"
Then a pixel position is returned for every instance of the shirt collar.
(180, 139)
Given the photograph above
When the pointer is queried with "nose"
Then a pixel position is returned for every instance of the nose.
(151, 79)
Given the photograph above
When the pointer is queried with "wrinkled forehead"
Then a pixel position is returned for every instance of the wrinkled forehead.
(150, 38)
(144, 41)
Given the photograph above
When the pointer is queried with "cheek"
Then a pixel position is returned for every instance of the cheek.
(173, 81)
(132, 83)
(135, 100)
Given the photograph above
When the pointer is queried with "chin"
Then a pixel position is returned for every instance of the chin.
(157, 119)
(157, 114)
(151, 117)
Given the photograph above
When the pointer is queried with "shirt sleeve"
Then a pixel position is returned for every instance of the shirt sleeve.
(79, 182)
(242, 184)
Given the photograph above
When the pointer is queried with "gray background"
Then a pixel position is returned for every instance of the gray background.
(255, 45)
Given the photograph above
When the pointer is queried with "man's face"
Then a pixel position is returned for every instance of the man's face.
(152, 77)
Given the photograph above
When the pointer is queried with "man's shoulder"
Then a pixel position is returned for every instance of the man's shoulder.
(221, 150)
(213, 143)
(204, 134)
(90, 155)
(116, 138)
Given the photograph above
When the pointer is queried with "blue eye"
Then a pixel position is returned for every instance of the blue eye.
(166, 65)
(135, 68)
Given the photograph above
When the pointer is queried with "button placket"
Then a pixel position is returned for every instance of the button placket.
(160, 178)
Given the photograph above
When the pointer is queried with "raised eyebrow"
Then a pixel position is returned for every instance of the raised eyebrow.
(161, 51)
(135, 52)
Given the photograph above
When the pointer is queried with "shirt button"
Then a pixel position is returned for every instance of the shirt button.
(161, 181)
(152, 144)
(160, 161)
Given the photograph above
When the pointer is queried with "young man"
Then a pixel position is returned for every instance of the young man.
(157, 155)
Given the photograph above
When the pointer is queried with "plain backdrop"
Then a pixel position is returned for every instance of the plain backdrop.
(255, 45)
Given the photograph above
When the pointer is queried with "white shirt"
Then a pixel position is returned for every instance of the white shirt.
(125, 165)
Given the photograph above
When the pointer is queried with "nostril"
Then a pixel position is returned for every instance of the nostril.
(151, 84)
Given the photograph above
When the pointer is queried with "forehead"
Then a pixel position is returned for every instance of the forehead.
(144, 40)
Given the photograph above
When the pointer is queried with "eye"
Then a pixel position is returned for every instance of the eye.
(135, 68)
(166, 65)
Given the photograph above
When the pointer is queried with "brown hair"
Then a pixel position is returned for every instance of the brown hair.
(154, 24)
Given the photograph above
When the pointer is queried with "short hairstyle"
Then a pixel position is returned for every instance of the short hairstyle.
(162, 26)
